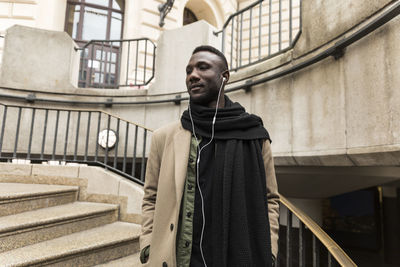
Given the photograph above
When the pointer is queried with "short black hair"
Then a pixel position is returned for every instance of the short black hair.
(213, 50)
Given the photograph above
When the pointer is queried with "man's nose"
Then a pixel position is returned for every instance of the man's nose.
(193, 76)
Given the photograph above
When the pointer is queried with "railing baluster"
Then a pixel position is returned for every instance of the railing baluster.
(250, 31)
(126, 147)
(44, 133)
(154, 62)
(145, 59)
(270, 28)
(17, 132)
(108, 136)
(101, 81)
(77, 135)
(143, 155)
(290, 22)
(66, 135)
(241, 39)
(136, 63)
(97, 137)
(237, 42)
(87, 135)
(109, 64)
(3, 125)
(91, 67)
(302, 254)
(53, 155)
(259, 29)
(280, 25)
(288, 238)
(134, 152)
(31, 134)
(116, 144)
(329, 259)
(315, 248)
(118, 65)
(233, 23)
(127, 62)
(223, 42)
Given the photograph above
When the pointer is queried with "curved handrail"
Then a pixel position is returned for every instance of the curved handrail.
(336, 251)
(82, 110)
(115, 40)
(235, 14)
(80, 135)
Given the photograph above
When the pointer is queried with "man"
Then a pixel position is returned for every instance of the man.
(210, 196)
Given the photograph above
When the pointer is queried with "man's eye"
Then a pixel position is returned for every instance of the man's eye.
(203, 67)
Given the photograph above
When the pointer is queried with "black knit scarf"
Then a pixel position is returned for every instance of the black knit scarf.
(240, 231)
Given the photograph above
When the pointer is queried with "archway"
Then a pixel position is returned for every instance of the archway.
(202, 10)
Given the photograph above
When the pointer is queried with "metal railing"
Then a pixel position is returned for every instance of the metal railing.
(306, 244)
(73, 135)
(117, 63)
(260, 31)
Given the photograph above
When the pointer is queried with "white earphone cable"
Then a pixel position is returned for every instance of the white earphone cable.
(199, 149)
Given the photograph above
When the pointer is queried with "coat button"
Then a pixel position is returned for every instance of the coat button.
(190, 186)
(189, 214)
(171, 227)
(191, 160)
(164, 264)
(187, 244)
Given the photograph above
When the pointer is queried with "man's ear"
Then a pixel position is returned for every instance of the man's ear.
(226, 75)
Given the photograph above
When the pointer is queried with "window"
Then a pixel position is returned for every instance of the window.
(94, 19)
(97, 20)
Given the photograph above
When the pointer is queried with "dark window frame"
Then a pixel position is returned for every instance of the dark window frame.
(83, 4)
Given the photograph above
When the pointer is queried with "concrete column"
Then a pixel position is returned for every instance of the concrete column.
(174, 49)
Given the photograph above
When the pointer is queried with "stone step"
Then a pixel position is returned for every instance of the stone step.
(16, 197)
(86, 248)
(35, 226)
(129, 261)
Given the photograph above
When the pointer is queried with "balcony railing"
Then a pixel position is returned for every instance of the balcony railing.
(60, 135)
(117, 63)
(260, 31)
(306, 244)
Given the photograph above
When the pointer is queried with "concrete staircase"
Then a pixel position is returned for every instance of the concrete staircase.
(46, 225)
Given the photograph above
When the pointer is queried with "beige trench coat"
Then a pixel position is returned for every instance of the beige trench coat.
(165, 179)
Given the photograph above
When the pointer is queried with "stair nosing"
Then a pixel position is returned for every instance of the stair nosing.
(79, 250)
(36, 195)
(54, 221)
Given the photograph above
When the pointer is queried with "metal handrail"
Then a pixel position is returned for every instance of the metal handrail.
(237, 57)
(108, 73)
(72, 135)
(334, 250)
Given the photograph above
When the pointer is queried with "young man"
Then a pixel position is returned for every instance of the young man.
(210, 193)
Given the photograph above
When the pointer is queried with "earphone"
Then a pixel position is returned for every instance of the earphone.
(199, 149)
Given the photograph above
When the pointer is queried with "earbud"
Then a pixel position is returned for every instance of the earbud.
(223, 79)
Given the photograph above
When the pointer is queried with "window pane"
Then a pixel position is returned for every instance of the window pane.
(73, 20)
(98, 2)
(95, 24)
(117, 4)
(116, 26)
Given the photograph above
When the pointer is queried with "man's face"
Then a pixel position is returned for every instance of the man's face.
(204, 78)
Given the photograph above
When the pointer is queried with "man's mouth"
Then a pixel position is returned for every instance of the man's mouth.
(195, 87)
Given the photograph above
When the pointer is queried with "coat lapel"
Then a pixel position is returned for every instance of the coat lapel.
(181, 154)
